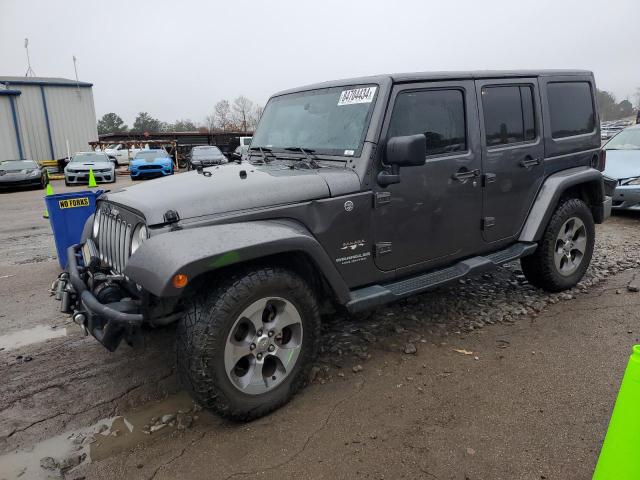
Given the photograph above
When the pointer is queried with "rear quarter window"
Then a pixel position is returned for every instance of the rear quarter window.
(571, 109)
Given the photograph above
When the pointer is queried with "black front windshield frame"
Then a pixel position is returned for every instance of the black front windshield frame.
(314, 145)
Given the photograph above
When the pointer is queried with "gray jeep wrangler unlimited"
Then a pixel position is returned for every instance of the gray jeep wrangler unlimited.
(354, 193)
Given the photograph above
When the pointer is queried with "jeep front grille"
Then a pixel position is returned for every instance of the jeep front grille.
(114, 241)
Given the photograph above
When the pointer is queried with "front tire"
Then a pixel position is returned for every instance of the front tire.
(565, 250)
(246, 346)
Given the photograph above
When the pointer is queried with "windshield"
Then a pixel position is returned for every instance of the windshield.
(17, 164)
(626, 140)
(206, 152)
(89, 157)
(330, 121)
(150, 154)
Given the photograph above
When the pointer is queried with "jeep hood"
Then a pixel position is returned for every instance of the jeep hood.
(232, 187)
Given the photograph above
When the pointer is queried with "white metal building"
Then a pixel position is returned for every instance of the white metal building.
(39, 116)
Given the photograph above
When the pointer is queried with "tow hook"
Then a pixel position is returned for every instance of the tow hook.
(58, 286)
(81, 319)
(63, 291)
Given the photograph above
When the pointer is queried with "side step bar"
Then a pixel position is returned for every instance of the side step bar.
(375, 295)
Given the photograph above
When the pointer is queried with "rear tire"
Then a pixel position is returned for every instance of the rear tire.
(565, 250)
(246, 346)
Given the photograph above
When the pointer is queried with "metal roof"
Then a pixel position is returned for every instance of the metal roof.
(51, 81)
(434, 76)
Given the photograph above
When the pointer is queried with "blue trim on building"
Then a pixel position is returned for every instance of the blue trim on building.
(46, 119)
(10, 92)
(16, 126)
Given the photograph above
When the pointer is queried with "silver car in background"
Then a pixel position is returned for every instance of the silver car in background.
(77, 170)
(622, 157)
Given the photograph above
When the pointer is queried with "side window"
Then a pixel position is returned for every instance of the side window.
(570, 109)
(508, 114)
(438, 114)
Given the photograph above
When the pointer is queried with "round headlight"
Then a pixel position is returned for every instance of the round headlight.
(139, 235)
(96, 223)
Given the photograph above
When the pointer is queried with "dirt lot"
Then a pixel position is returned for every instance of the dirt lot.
(487, 379)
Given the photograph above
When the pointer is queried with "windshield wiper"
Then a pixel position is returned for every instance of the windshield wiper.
(265, 159)
(307, 152)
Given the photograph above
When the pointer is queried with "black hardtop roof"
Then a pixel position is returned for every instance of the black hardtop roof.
(433, 76)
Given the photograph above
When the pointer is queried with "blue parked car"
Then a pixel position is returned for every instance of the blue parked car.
(151, 163)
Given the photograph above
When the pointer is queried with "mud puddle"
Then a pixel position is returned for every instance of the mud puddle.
(58, 456)
(39, 334)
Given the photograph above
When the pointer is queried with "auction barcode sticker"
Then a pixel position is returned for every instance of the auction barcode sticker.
(357, 95)
(74, 202)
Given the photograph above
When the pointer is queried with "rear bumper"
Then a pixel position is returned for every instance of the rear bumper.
(108, 323)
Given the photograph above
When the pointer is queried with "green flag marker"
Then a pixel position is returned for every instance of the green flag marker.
(620, 454)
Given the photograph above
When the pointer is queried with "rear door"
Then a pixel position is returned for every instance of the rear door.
(512, 153)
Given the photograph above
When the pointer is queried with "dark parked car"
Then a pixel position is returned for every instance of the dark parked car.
(355, 193)
(623, 165)
(22, 173)
(205, 156)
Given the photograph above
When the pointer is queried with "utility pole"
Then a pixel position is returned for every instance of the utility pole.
(30, 71)
(75, 68)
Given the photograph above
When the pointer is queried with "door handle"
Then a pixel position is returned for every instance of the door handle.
(463, 176)
(530, 162)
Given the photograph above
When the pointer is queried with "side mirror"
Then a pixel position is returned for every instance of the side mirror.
(405, 151)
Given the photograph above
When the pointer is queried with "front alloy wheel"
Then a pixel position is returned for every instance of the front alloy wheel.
(263, 345)
(246, 346)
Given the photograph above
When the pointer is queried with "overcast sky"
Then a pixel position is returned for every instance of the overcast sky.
(175, 59)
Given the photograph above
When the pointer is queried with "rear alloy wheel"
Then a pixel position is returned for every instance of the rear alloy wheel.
(565, 250)
(246, 346)
(570, 247)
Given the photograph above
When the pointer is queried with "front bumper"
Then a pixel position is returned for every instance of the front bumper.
(83, 177)
(109, 323)
(150, 171)
(626, 197)
(10, 180)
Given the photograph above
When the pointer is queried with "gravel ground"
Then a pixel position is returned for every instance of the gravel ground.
(71, 382)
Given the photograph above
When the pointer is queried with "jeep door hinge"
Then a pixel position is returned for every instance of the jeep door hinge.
(381, 198)
(382, 248)
(488, 222)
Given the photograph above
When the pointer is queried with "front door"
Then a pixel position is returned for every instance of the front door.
(433, 214)
(512, 153)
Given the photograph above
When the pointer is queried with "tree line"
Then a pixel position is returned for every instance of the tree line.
(610, 109)
(240, 115)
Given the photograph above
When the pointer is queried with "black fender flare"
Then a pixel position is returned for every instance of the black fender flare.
(198, 250)
(550, 192)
